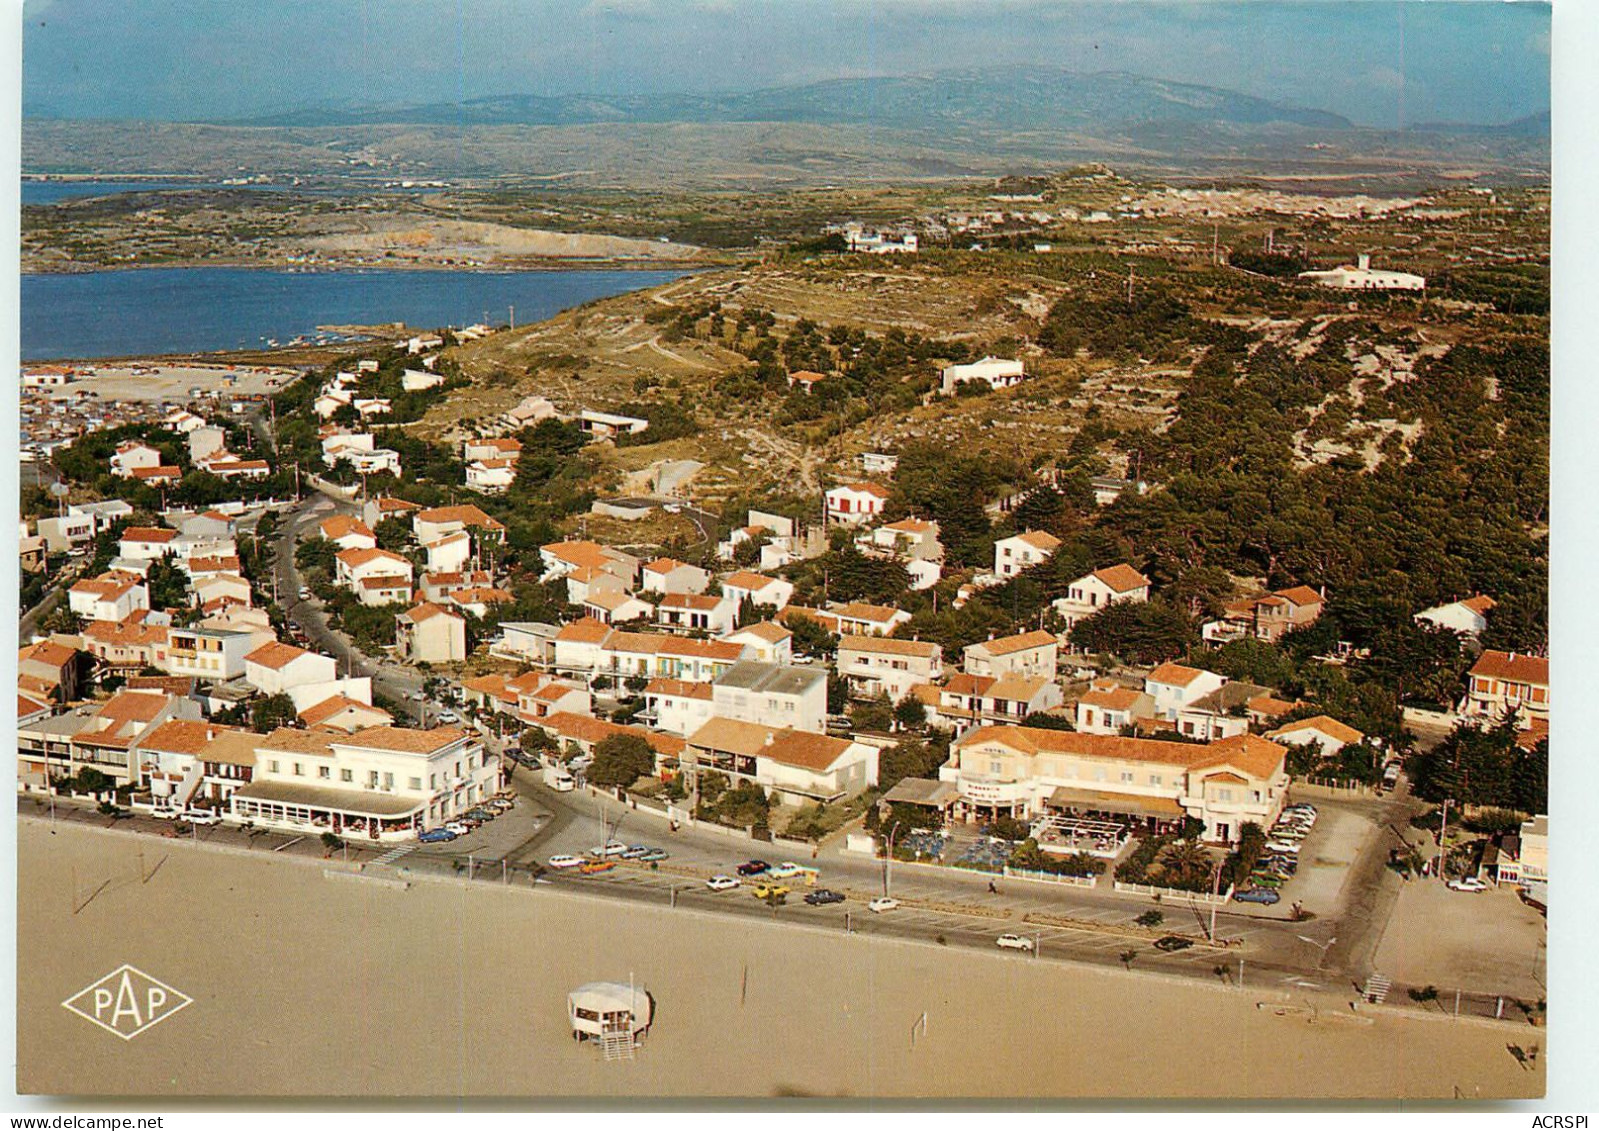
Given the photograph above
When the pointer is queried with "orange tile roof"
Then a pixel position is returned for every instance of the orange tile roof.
(1328, 725)
(695, 601)
(405, 740)
(387, 581)
(964, 683)
(745, 579)
(276, 655)
(925, 649)
(1269, 706)
(342, 525)
(1254, 755)
(864, 489)
(1122, 578)
(466, 514)
(361, 555)
(426, 611)
(334, 705)
(182, 736)
(1302, 595)
(764, 630)
(293, 741)
(1113, 697)
(1174, 675)
(148, 534)
(1481, 605)
(872, 614)
(584, 631)
(46, 652)
(678, 688)
(1007, 645)
(808, 751)
(1513, 667)
(1039, 540)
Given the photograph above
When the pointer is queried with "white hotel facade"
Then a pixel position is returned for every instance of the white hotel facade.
(382, 783)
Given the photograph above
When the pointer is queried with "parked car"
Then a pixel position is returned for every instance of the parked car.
(165, 814)
(753, 868)
(784, 871)
(1288, 846)
(1265, 880)
(202, 817)
(655, 855)
(823, 897)
(1467, 883)
(564, 860)
(721, 883)
(449, 717)
(1257, 895)
(435, 836)
(883, 903)
(500, 804)
(590, 867)
(636, 852)
(459, 828)
(1014, 942)
(1173, 942)
(613, 848)
(770, 891)
(481, 814)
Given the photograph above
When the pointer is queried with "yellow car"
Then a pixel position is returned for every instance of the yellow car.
(770, 891)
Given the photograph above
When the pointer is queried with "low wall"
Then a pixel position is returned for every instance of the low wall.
(1051, 878)
(1418, 716)
(1174, 894)
(1328, 790)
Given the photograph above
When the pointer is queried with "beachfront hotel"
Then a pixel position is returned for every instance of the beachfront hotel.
(385, 783)
(1026, 772)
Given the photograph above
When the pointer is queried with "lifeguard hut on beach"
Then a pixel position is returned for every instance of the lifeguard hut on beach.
(617, 1015)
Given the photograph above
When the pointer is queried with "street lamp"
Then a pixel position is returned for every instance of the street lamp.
(888, 859)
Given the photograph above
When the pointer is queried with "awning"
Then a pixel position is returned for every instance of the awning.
(1131, 804)
(922, 791)
(355, 802)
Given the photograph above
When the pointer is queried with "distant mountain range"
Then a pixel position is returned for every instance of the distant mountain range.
(1012, 99)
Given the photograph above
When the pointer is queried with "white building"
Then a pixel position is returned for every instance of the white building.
(875, 665)
(775, 695)
(1028, 772)
(1327, 733)
(697, 612)
(1362, 277)
(132, 455)
(109, 597)
(772, 592)
(274, 668)
(996, 372)
(677, 706)
(1468, 617)
(1023, 551)
(1173, 687)
(206, 653)
(1092, 592)
(667, 575)
(800, 767)
(491, 476)
(428, 634)
(347, 533)
(854, 503)
(1028, 654)
(382, 783)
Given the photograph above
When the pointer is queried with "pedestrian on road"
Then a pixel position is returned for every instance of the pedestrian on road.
(992, 889)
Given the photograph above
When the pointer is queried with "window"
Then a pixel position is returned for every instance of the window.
(1224, 795)
(371, 779)
(1127, 777)
(433, 781)
(299, 770)
(272, 766)
(324, 772)
(388, 781)
(346, 775)
(1154, 779)
(994, 767)
(415, 783)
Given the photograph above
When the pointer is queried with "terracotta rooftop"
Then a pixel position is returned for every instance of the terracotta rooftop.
(1007, 645)
(1513, 667)
(1122, 578)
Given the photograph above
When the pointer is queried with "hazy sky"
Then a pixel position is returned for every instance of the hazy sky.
(1375, 62)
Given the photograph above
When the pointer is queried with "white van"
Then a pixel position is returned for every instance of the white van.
(559, 779)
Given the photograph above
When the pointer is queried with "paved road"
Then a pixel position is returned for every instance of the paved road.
(393, 681)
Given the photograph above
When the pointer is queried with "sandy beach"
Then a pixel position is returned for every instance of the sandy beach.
(310, 985)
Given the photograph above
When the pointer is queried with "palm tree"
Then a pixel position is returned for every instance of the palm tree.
(1186, 863)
